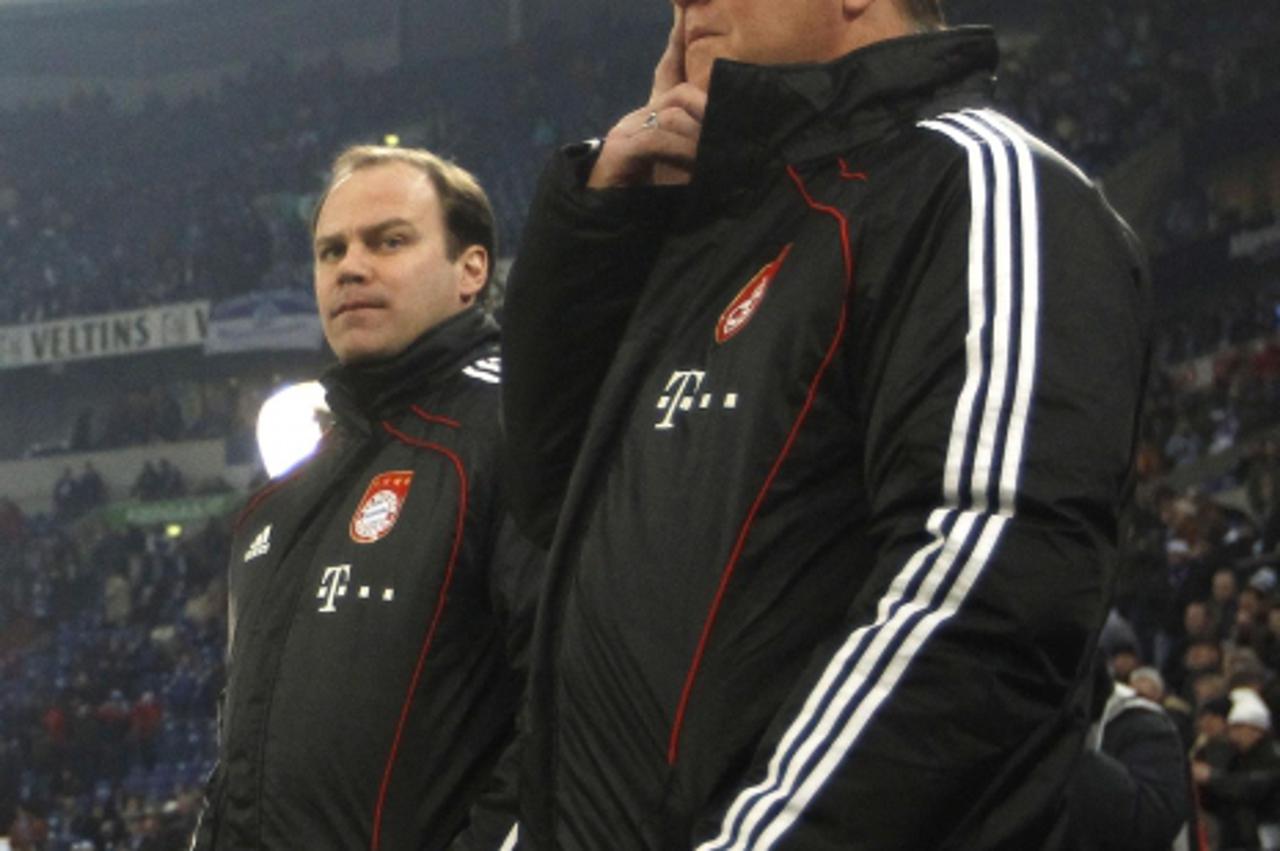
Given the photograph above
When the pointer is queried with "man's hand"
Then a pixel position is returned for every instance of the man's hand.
(656, 145)
(1201, 772)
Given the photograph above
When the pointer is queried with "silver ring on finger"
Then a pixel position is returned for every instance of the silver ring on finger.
(651, 121)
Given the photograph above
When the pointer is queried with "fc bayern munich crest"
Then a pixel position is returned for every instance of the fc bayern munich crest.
(744, 306)
(380, 507)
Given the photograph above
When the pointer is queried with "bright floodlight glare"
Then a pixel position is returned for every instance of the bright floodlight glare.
(289, 426)
(173, 530)
(391, 140)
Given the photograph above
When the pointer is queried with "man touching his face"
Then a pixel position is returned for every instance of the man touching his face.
(823, 379)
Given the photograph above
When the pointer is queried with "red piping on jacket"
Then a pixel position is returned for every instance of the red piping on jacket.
(677, 725)
(441, 599)
(851, 175)
(271, 487)
(434, 418)
(261, 496)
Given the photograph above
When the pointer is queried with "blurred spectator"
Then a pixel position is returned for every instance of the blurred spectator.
(1262, 486)
(64, 495)
(117, 599)
(1132, 789)
(1213, 749)
(1222, 603)
(1202, 664)
(92, 490)
(1252, 604)
(1197, 628)
(1211, 743)
(1123, 659)
(13, 523)
(1270, 645)
(158, 480)
(1119, 645)
(29, 831)
(113, 721)
(1147, 683)
(74, 496)
(145, 726)
(1245, 671)
(165, 415)
(1245, 796)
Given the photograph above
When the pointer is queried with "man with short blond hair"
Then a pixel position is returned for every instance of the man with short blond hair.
(380, 598)
(823, 381)
(464, 206)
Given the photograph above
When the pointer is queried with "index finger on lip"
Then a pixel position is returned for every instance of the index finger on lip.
(670, 70)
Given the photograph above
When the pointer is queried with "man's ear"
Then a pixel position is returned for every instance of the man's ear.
(869, 21)
(856, 8)
(473, 271)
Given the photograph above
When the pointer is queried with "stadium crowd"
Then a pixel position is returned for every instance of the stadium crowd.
(110, 648)
(1107, 78)
(143, 209)
(111, 638)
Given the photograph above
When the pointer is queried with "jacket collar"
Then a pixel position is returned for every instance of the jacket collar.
(361, 394)
(758, 113)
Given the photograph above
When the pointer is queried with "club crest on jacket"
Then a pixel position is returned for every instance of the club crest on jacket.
(745, 304)
(380, 507)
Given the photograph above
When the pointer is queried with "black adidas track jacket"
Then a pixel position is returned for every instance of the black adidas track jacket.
(381, 603)
(829, 448)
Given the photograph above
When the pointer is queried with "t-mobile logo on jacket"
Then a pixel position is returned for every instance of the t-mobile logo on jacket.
(683, 393)
(335, 584)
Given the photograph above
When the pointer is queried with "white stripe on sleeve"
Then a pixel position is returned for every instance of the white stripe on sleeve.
(987, 435)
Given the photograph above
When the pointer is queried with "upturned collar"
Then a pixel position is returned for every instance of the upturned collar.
(360, 394)
(757, 114)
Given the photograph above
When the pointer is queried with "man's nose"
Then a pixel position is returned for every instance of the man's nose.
(354, 266)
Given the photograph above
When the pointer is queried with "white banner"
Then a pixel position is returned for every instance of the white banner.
(133, 332)
(271, 319)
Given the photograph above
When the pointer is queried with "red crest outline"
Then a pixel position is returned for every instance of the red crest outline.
(745, 304)
(380, 507)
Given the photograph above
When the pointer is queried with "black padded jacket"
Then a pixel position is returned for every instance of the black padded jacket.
(381, 602)
(828, 447)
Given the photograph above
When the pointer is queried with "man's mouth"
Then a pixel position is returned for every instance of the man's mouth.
(352, 306)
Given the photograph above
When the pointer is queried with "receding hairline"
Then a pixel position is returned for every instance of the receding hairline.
(467, 214)
(344, 170)
(341, 180)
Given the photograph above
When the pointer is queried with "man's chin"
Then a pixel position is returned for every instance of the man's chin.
(352, 354)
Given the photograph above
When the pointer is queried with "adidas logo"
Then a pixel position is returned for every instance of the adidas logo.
(261, 545)
(488, 370)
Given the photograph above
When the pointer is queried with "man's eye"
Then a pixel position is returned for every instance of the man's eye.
(329, 252)
(393, 241)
